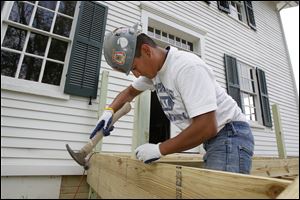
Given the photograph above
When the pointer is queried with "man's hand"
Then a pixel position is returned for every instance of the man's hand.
(148, 152)
(104, 122)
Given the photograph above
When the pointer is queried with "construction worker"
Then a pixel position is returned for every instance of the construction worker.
(190, 97)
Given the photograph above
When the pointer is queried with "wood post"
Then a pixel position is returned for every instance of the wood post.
(278, 131)
(102, 101)
(141, 121)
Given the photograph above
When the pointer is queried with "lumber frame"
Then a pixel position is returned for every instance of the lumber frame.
(119, 176)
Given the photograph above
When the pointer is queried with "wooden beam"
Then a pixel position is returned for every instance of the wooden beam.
(113, 176)
(291, 192)
(141, 121)
(102, 101)
(278, 131)
(261, 166)
(275, 167)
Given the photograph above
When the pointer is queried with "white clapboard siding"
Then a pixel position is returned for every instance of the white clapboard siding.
(35, 129)
(119, 14)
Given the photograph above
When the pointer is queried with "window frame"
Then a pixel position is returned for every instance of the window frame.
(184, 44)
(254, 93)
(194, 34)
(242, 13)
(33, 87)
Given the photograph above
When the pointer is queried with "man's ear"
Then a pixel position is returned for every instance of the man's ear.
(146, 49)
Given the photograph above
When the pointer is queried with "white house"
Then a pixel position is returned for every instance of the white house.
(51, 68)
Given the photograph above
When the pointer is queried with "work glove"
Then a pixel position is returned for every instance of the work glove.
(148, 152)
(104, 122)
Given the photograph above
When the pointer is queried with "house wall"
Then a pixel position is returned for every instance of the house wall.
(35, 187)
(35, 128)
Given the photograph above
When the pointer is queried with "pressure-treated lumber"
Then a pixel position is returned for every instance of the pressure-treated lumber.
(278, 131)
(261, 166)
(113, 176)
(291, 192)
(275, 167)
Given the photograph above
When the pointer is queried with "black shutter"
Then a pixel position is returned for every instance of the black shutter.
(264, 98)
(224, 6)
(250, 14)
(83, 72)
(232, 77)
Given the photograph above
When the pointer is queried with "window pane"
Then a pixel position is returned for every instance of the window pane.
(247, 110)
(57, 50)
(52, 73)
(37, 44)
(171, 39)
(157, 33)
(184, 46)
(9, 63)
(178, 43)
(43, 19)
(190, 46)
(30, 69)
(67, 7)
(21, 12)
(14, 38)
(48, 4)
(62, 26)
(251, 101)
(164, 36)
(150, 31)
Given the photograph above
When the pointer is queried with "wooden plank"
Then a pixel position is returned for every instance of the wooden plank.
(275, 167)
(123, 177)
(69, 186)
(278, 131)
(291, 192)
(261, 166)
(107, 176)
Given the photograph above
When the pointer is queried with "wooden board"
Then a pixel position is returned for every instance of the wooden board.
(113, 176)
(69, 185)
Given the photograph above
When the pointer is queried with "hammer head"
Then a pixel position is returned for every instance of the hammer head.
(79, 157)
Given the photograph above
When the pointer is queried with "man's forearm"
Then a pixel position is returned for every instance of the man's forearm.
(126, 95)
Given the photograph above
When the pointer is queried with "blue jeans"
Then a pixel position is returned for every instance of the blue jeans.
(231, 150)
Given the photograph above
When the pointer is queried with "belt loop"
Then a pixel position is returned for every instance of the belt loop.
(232, 130)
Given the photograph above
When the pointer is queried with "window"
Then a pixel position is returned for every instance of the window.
(237, 11)
(159, 35)
(248, 91)
(36, 40)
(248, 87)
(240, 10)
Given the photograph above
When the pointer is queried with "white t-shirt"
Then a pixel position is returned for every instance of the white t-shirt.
(186, 87)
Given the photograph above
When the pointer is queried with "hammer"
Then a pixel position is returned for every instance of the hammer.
(82, 157)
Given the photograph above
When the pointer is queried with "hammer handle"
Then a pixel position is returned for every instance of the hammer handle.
(94, 141)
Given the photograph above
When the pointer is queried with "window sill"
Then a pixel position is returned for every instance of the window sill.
(256, 125)
(31, 87)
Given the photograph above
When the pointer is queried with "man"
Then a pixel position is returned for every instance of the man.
(190, 97)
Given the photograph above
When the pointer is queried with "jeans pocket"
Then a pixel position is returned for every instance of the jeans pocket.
(245, 159)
